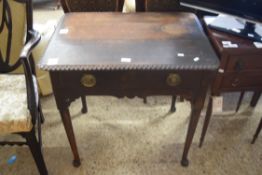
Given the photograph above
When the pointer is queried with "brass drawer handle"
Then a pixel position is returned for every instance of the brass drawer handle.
(88, 80)
(173, 80)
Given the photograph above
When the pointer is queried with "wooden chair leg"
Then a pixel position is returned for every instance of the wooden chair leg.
(36, 151)
(255, 99)
(173, 104)
(240, 100)
(84, 105)
(257, 132)
(121, 5)
(206, 122)
(140, 5)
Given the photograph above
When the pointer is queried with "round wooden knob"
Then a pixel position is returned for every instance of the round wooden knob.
(88, 80)
(173, 80)
(235, 82)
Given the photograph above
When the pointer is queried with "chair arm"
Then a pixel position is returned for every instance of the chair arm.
(29, 71)
(34, 40)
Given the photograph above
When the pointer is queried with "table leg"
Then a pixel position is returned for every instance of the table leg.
(145, 100)
(63, 102)
(240, 100)
(173, 104)
(255, 98)
(66, 118)
(206, 122)
(84, 105)
(196, 105)
(257, 132)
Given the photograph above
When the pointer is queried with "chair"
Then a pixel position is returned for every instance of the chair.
(43, 79)
(157, 5)
(257, 132)
(164, 6)
(20, 111)
(92, 5)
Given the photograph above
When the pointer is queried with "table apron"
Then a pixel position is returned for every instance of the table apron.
(129, 80)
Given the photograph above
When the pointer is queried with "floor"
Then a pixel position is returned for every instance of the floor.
(126, 136)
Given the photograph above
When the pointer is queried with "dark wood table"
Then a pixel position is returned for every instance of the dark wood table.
(240, 69)
(140, 54)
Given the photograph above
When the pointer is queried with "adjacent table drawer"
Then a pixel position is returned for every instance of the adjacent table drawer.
(245, 79)
(244, 63)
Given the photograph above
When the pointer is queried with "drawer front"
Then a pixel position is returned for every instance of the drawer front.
(121, 80)
(242, 80)
(244, 63)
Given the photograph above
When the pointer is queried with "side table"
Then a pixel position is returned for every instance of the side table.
(135, 54)
(240, 69)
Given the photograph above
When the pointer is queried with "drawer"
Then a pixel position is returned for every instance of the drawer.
(119, 80)
(242, 80)
(244, 63)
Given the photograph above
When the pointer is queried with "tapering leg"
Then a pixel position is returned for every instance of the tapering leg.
(194, 118)
(63, 102)
(36, 151)
(84, 105)
(173, 104)
(66, 118)
(257, 132)
(207, 120)
(144, 100)
(240, 100)
(255, 98)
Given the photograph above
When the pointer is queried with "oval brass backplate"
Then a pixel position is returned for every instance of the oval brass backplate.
(88, 80)
(173, 80)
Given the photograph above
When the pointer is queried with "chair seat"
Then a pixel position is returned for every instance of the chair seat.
(14, 114)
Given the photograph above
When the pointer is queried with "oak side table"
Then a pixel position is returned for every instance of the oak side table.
(136, 54)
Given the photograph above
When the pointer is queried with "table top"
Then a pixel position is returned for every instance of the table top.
(244, 45)
(134, 41)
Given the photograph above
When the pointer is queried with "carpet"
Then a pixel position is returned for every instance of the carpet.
(126, 136)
